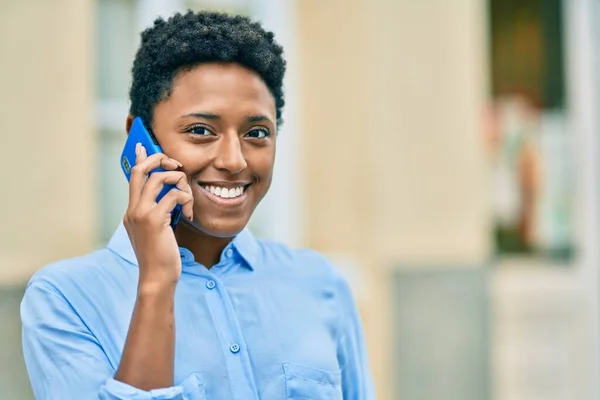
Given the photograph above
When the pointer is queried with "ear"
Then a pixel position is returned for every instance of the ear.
(128, 123)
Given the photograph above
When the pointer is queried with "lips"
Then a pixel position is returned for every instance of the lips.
(225, 193)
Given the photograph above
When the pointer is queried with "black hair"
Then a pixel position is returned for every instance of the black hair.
(186, 40)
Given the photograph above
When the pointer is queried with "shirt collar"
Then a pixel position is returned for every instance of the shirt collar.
(245, 243)
(120, 244)
(248, 247)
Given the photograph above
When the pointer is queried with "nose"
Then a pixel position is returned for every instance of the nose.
(230, 157)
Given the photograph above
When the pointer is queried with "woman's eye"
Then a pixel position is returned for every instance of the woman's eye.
(258, 133)
(200, 131)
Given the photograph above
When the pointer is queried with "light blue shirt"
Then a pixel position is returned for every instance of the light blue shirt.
(266, 323)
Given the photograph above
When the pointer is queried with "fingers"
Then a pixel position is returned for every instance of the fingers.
(155, 183)
(141, 169)
(144, 190)
(174, 197)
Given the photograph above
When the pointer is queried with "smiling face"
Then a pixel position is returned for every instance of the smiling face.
(219, 122)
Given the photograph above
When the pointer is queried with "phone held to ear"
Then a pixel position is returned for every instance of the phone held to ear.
(139, 134)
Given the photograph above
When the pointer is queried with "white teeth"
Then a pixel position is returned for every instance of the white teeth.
(225, 193)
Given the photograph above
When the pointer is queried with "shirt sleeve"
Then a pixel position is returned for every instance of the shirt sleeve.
(65, 361)
(357, 382)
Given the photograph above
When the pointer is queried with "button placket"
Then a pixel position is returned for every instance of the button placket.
(230, 334)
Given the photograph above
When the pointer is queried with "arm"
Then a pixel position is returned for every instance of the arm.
(147, 361)
(357, 382)
(148, 355)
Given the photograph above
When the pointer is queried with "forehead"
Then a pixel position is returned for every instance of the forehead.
(223, 88)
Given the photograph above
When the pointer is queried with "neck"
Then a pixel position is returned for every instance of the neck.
(206, 249)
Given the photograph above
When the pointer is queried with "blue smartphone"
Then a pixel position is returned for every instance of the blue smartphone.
(139, 134)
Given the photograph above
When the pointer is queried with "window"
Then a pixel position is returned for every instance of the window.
(529, 140)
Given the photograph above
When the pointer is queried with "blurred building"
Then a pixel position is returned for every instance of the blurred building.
(472, 252)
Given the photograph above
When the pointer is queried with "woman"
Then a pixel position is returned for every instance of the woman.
(205, 311)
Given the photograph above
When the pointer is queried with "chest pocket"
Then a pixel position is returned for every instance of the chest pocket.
(304, 382)
(193, 387)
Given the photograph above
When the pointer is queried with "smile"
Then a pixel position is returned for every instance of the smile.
(225, 195)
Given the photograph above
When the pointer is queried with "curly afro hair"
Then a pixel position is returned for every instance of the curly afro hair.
(186, 40)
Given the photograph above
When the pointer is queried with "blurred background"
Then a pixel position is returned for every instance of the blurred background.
(442, 153)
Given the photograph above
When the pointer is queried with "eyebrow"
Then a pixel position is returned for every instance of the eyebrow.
(257, 118)
(202, 115)
(211, 116)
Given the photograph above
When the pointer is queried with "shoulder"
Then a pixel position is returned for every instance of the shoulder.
(288, 257)
(87, 273)
(302, 262)
(78, 290)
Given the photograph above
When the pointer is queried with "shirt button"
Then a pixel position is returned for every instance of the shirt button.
(229, 253)
(211, 284)
(234, 348)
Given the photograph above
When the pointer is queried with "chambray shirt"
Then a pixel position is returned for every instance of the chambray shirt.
(266, 322)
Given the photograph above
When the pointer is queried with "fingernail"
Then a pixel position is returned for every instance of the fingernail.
(177, 163)
(137, 149)
(172, 163)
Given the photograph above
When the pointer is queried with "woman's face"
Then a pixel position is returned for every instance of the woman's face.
(219, 122)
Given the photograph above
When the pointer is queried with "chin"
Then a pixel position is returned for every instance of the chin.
(219, 228)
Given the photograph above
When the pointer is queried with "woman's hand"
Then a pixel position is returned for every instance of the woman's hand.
(148, 222)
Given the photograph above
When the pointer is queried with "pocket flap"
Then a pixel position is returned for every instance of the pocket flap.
(313, 374)
(304, 382)
(193, 387)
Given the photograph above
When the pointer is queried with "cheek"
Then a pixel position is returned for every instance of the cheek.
(193, 157)
(263, 164)
(262, 160)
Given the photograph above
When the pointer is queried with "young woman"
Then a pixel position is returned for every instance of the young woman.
(205, 311)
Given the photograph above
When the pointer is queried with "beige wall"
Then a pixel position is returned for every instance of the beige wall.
(426, 104)
(393, 99)
(45, 134)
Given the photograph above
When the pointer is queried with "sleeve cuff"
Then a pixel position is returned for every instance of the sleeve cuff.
(117, 390)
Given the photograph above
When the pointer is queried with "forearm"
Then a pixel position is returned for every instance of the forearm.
(148, 355)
